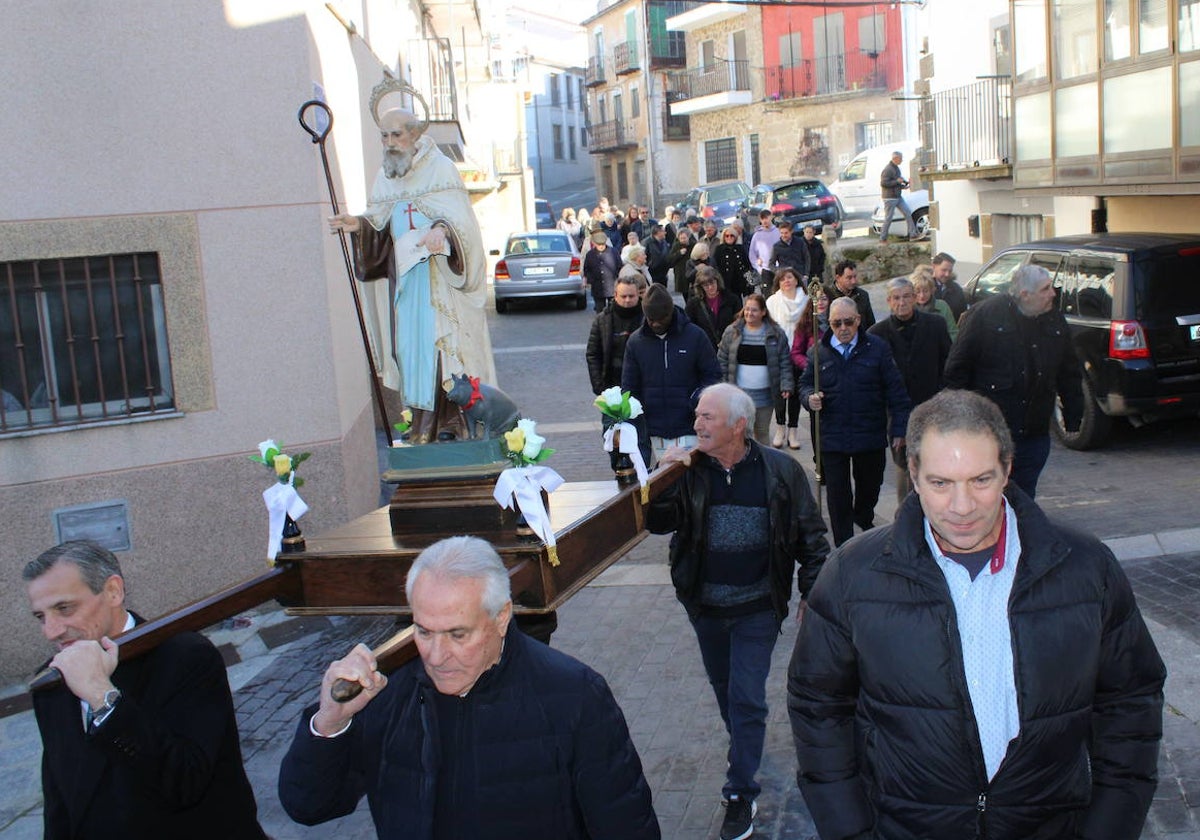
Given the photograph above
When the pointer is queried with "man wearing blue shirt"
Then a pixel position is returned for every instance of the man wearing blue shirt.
(974, 669)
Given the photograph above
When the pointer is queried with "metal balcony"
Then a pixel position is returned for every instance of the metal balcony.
(611, 136)
(830, 75)
(966, 132)
(718, 85)
(593, 74)
(625, 58)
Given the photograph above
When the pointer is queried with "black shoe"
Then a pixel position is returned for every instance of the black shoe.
(739, 818)
(446, 436)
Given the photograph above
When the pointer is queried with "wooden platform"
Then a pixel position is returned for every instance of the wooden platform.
(360, 567)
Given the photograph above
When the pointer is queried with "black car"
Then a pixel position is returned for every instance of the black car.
(1132, 301)
(803, 201)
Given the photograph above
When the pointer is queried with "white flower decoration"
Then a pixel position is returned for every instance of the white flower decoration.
(533, 441)
(635, 407)
(612, 396)
(265, 447)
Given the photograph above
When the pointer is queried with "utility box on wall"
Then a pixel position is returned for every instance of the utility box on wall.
(973, 226)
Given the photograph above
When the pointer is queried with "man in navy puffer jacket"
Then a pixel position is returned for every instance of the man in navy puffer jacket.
(488, 735)
(668, 361)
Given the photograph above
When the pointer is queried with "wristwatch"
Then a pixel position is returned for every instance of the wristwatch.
(110, 702)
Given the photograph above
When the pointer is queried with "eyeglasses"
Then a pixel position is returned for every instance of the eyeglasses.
(838, 323)
(730, 236)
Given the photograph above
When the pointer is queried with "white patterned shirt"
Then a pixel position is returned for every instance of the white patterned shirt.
(981, 606)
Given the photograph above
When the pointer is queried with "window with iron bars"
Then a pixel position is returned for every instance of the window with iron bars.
(82, 340)
(720, 159)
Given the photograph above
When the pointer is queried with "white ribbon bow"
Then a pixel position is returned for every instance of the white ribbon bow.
(628, 446)
(525, 485)
(282, 501)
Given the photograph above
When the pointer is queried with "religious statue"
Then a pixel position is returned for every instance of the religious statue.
(427, 322)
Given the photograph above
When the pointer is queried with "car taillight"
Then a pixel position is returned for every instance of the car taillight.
(502, 270)
(1126, 340)
(826, 200)
(781, 207)
(708, 212)
(574, 270)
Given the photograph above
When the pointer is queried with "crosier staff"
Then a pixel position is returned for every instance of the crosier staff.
(318, 136)
(815, 289)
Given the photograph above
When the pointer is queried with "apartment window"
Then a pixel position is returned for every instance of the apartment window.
(606, 181)
(82, 340)
(1189, 25)
(557, 132)
(1145, 114)
(1189, 104)
(755, 168)
(639, 183)
(618, 106)
(1076, 128)
(579, 86)
(554, 94)
(870, 34)
(1152, 26)
(1029, 27)
(708, 56)
(622, 180)
(571, 141)
(570, 92)
(720, 159)
(789, 50)
(870, 134)
(1033, 116)
(583, 137)
(1118, 33)
(635, 107)
(1002, 49)
(1074, 28)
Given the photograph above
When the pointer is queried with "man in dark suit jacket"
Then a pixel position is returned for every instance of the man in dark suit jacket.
(147, 748)
(920, 345)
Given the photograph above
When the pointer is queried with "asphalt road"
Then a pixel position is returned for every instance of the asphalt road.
(1143, 481)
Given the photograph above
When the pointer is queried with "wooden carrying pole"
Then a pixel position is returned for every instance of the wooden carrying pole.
(814, 289)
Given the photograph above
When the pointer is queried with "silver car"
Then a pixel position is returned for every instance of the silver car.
(540, 263)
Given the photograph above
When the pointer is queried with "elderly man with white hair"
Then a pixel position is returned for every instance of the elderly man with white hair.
(1016, 350)
(488, 734)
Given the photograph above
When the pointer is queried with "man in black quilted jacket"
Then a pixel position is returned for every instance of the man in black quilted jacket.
(488, 734)
(975, 669)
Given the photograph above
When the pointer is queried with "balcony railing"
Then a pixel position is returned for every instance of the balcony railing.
(625, 58)
(831, 74)
(593, 74)
(610, 136)
(719, 77)
(432, 63)
(968, 128)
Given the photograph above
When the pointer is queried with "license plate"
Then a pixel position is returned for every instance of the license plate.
(539, 269)
(1194, 332)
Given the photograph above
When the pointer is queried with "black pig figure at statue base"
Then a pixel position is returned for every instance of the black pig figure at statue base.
(482, 404)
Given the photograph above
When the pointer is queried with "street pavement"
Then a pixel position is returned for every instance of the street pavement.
(629, 627)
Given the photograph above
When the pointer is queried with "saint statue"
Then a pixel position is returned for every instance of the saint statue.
(427, 321)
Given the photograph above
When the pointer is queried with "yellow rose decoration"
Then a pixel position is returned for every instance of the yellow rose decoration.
(283, 465)
(515, 440)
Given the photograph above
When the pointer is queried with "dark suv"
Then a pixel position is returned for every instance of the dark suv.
(1132, 301)
(802, 201)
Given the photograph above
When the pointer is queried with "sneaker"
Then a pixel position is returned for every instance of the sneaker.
(778, 440)
(794, 437)
(739, 818)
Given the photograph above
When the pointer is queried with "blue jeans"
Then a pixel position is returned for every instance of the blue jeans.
(889, 205)
(737, 658)
(1029, 457)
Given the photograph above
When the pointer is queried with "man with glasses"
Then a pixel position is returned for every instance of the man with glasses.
(861, 391)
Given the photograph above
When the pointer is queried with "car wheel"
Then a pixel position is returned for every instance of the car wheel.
(1093, 429)
(921, 222)
(580, 303)
(501, 306)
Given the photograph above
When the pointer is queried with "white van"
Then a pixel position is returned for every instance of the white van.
(858, 184)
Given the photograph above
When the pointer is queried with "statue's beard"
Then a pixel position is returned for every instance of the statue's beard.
(397, 162)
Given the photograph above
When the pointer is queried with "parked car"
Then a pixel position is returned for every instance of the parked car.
(803, 201)
(918, 204)
(857, 185)
(1132, 301)
(543, 215)
(722, 201)
(539, 263)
